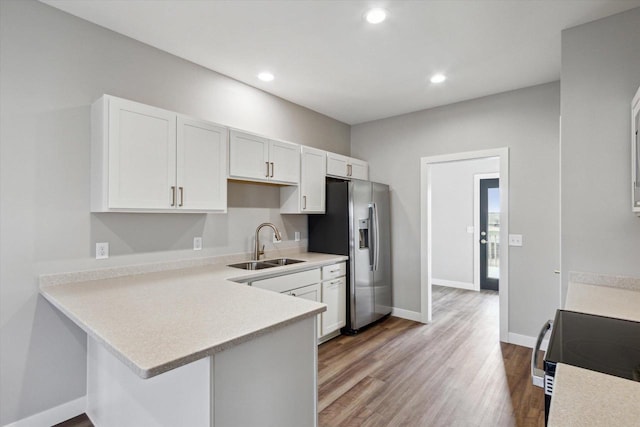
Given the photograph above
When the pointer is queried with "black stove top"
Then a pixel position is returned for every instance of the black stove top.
(598, 343)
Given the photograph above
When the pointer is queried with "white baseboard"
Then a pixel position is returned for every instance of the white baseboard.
(454, 284)
(54, 415)
(527, 341)
(406, 314)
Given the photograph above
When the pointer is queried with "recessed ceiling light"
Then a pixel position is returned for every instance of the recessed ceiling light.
(265, 76)
(438, 78)
(376, 16)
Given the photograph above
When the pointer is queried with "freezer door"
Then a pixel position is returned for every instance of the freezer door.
(361, 284)
(382, 253)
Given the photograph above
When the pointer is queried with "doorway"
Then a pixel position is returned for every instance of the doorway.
(489, 242)
(500, 264)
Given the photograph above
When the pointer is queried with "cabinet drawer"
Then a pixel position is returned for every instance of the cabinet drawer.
(334, 270)
(289, 281)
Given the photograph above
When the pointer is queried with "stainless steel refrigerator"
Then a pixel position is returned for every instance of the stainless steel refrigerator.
(357, 224)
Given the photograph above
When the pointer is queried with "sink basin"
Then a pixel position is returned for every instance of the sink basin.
(253, 265)
(282, 261)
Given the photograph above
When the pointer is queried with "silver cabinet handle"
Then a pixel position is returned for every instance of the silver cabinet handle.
(267, 175)
(304, 200)
(173, 195)
(537, 374)
(181, 196)
(272, 169)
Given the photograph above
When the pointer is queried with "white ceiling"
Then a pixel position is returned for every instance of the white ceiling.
(327, 58)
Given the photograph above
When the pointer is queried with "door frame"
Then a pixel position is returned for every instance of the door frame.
(426, 223)
(476, 224)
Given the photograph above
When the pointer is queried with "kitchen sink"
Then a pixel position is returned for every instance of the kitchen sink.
(282, 261)
(253, 265)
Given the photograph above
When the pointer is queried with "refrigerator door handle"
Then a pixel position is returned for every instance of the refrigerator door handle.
(376, 226)
(373, 244)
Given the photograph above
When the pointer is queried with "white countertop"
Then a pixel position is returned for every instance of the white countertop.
(160, 320)
(603, 301)
(584, 398)
(587, 398)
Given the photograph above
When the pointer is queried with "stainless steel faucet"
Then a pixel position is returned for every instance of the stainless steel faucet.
(260, 251)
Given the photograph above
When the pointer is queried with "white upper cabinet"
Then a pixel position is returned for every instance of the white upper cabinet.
(309, 196)
(347, 167)
(146, 159)
(635, 153)
(254, 158)
(284, 160)
(201, 165)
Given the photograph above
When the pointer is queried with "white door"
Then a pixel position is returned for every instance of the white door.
(142, 156)
(312, 180)
(334, 295)
(248, 156)
(358, 169)
(201, 165)
(337, 165)
(284, 161)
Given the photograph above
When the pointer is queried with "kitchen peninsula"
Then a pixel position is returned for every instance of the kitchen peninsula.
(182, 344)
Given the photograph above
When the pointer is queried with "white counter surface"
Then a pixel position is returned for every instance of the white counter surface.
(587, 398)
(584, 398)
(157, 321)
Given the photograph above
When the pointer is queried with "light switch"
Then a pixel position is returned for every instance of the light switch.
(515, 239)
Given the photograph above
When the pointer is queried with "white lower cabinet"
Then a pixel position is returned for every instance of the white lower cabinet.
(312, 293)
(327, 285)
(334, 295)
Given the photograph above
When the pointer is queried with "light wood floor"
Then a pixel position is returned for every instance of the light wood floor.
(453, 372)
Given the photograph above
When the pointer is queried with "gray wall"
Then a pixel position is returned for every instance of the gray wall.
(524, 120)
(452, 202)
(600, 75)
(53, 67)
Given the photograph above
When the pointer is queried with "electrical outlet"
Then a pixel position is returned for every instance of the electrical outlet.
(515, 239)
(297, 236)
(102, 250)
(197, 243)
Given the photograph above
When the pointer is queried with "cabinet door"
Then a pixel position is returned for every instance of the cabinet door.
(312, 293)
(201, 165)
(334, 295)
(312, 180)
(248, 156)
(284, 162)
(358, 169)
(337, 165)
(142, 156)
